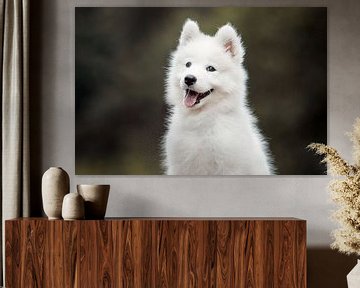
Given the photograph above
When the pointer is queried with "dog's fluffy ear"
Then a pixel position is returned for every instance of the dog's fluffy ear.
(231, 41)
(190, 31)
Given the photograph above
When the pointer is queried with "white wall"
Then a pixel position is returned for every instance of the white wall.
(298, 196)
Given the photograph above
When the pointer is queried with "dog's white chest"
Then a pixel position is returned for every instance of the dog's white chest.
(211, 148)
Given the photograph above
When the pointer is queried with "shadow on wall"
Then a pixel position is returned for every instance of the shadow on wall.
(139, 207)
(328, 268)
(37, 12)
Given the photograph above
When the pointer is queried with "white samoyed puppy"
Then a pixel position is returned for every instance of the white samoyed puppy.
(210, 128)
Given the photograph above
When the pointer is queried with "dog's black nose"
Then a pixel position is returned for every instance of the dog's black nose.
(190, 80)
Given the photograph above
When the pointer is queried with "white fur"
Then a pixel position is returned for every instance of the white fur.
(219, 135)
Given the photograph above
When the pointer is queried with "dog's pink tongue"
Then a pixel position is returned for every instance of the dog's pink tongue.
(190, 99)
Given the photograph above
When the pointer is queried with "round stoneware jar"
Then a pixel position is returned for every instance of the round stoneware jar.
(73, 207)
(55, 185)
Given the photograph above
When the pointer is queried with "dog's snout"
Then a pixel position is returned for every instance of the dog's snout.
(190, 80)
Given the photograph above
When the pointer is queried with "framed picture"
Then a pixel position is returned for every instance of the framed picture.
(200, 91)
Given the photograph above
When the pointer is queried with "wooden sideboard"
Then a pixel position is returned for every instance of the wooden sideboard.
(156, 252)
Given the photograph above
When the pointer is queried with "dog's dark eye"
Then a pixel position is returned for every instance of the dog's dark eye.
(210, 68)
(188, 64)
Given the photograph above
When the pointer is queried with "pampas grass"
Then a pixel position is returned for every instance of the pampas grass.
(345, 192)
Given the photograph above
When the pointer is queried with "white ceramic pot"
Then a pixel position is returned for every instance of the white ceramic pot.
(353, 278)
(55, 185)
(96, 198)
(73, 207)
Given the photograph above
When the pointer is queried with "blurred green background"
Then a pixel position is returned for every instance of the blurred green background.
(121, 55)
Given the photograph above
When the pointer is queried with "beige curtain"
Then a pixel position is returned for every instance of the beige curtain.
(15, 110)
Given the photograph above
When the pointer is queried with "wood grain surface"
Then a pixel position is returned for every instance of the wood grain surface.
(149, 252)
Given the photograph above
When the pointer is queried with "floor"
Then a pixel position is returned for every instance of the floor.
(328, 268)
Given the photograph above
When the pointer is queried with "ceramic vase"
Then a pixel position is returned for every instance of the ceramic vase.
(55, 185)
(353, 278)
(73, 207)
(96, 198)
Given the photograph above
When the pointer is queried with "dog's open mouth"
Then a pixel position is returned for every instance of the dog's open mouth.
(192, 97)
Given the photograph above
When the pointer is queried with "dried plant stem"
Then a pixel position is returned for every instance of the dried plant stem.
(355, 138)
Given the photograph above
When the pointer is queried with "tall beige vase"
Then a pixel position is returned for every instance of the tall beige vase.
(55, 185)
